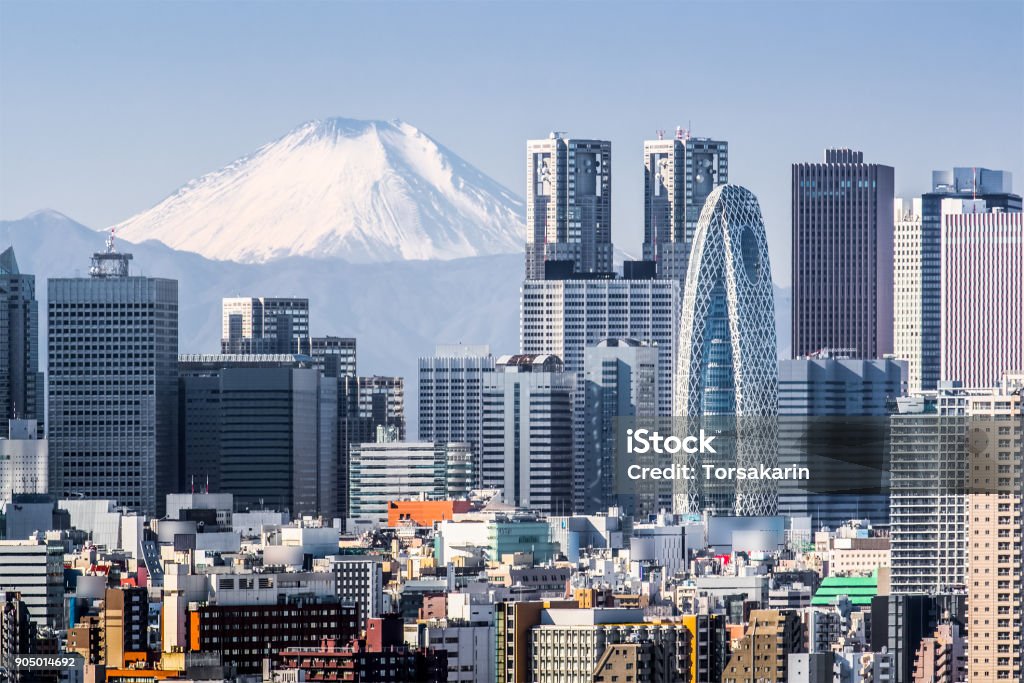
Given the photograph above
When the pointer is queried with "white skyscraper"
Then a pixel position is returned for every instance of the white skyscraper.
(982, 292)
(568, 204)
(564, 317)
(679, 174)
(908, 288)
(23, 461)
(450, 393)
(113, 385)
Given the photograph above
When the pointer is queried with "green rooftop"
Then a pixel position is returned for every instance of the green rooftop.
(860, 590)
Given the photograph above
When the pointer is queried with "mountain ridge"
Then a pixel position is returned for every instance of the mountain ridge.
(361, 191)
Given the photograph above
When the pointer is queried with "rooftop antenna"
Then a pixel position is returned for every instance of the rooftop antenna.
(661, 134)
(679, 133)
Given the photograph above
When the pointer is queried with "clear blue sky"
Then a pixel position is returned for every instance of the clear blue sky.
(106, 108)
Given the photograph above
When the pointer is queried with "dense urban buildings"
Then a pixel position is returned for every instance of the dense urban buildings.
(568, 204)
(113, 384)
(563, 317)
(842, 213)
(727, 356)
(21, 383)
(264, 325)
(679, 174)
(286, 529)
(982, 292)
(527, 432)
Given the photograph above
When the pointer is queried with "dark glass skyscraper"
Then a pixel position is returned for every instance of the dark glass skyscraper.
(842, 256)
(21, 383)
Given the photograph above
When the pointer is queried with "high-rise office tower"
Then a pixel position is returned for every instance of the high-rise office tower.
(264, 325)
(620, 381)
(842, 255)
(568, 204)
(909, 342)
(364, 405)
(263, 428)
(335, 356)
(679, 174)
(564, 317)
(927, 502)
(917, 263)
(21, 383)
(995, 617)
(727, 368)
(113, 385)
(450, 394)
(527, 432)
(982, 301)
(842, 404)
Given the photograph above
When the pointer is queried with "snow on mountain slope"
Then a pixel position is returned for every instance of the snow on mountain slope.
(362, 191)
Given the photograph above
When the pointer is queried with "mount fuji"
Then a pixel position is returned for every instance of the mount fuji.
(360, 191)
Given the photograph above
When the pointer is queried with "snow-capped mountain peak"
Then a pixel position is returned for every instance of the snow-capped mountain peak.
(362, 191)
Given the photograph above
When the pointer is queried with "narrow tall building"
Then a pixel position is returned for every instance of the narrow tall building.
(113, 385)
(842, 216)
(21, 383)
(264, 325)
(679, 174)
(995, 616)
(527, 432)
(727, 368)
(982, 302)
(335, 356)
(620, 381)
(568, 204)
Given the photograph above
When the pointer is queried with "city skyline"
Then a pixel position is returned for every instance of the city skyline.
(109, 162)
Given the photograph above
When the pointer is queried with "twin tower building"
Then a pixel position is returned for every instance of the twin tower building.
(701, 296)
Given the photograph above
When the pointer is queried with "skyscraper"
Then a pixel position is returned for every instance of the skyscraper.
(727, 355)
(927, 501)
(568, 204)
(113, 385)
(620, 380)
(564, 317)
(982, 298)
(918, 282)
(450, 394)
(994, 530)
(21, 383)
(842, 255)
(264, 325)
(381, 472)
(527, 432)
(262, 428)
(679, 174)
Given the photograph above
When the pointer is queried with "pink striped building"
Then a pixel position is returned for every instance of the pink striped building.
(982, 293)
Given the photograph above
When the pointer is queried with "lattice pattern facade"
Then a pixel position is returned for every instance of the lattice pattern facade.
(727, 355)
